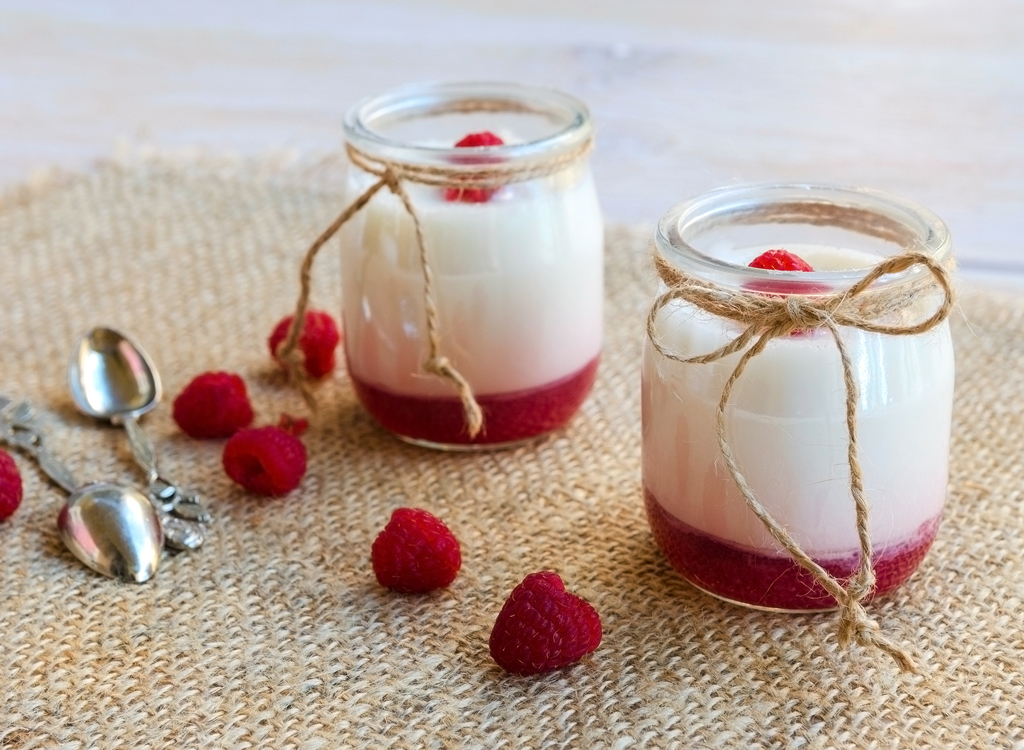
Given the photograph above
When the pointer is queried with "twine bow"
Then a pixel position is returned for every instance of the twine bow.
(392, 175)
(768, 317)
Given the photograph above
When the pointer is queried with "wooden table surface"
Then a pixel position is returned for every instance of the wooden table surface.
(924, 98)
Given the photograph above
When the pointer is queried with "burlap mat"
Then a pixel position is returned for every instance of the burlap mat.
(276, 633)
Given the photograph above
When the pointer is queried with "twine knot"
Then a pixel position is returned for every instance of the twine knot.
(766, 316)
(390, 179)
(800, 314)
(856, 624)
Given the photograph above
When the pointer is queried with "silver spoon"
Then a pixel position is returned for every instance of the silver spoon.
(111, 377)
(112, 529)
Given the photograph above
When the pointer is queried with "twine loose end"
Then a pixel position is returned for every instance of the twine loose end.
(443, 368)
(855, 624)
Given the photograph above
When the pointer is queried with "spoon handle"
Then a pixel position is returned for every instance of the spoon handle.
(18, 429)
(54, 469)
(181, 513)
(142, 447)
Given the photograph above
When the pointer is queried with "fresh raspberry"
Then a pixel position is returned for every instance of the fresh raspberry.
(780, 260)
(265, 460)
(317, 342)
(415, 553)
(783, 260)
(477, 140)
(10, 486)
(543, 627)
(213, 405)
(474, 195)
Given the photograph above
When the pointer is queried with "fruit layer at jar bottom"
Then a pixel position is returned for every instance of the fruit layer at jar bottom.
(508, 417)
(766, 579)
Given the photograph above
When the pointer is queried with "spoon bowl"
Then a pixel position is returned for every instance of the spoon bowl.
(110, 376)
(114, 530)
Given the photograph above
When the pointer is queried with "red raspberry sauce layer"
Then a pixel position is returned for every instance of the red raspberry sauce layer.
(743, 575)
(508, 417)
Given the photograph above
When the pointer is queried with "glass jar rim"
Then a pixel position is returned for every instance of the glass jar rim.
(436, 98)
(884, 215)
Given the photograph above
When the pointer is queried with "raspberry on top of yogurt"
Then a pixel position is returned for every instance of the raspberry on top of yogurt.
(474, 195)
(780, 259)
(484, 138)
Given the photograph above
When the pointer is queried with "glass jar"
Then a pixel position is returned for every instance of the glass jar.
(517, 268)
(785, 421)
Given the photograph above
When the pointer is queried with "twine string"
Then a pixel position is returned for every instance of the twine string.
(288, 352)
(391, 174)
(437, 363)
(768, 317)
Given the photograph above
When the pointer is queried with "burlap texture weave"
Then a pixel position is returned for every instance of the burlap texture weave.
(276, 634)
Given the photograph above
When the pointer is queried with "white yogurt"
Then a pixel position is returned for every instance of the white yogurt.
(518, 285)
(786, 425)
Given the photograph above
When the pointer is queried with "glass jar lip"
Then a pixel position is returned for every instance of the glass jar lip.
(928, 232)
(431, 98)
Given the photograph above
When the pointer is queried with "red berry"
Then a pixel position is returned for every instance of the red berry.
(474, 195)
(213, 405)
(415, 553)
(780, 260)
(10, 486)
(265, 460)
(543, 627)
(483, 138)
(783, 260)
(317, 342)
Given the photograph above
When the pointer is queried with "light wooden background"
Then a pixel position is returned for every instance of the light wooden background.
(920, 97)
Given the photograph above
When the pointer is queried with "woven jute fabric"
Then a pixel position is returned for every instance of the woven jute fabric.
(276, 633)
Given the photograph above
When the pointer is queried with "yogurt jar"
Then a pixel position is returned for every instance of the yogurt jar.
(785, 420)
(517, 268)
